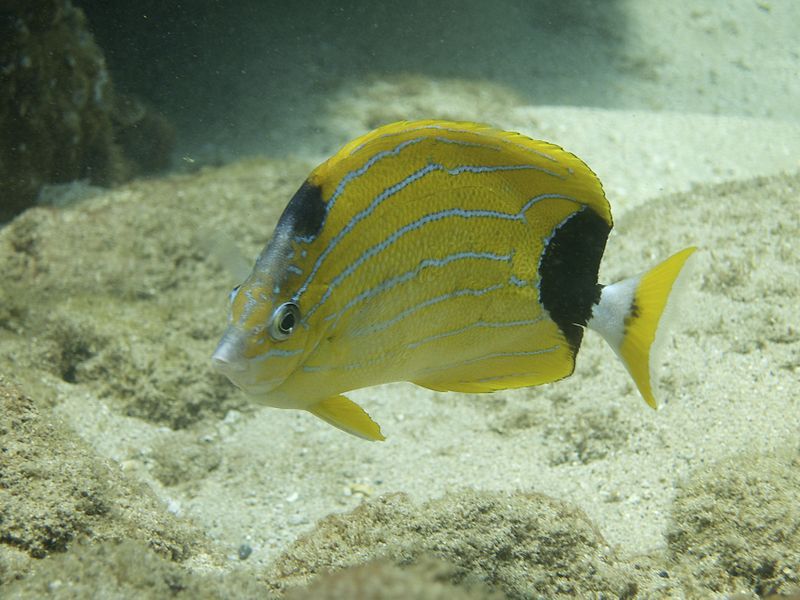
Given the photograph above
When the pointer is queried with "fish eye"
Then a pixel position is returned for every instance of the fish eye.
(232, 295)
(283, 321)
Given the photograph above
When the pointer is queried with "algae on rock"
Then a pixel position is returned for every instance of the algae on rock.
(55, 491)
(736, 526)
(525, 545)
(60, 118)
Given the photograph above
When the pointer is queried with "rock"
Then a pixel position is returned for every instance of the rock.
(183, 457)
(126, 569)
(60, 118)
(54, 490)
(382, 580)
(524, 545)
(736, 527)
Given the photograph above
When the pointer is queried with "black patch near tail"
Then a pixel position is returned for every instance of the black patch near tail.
(568, 272)
(305, 211)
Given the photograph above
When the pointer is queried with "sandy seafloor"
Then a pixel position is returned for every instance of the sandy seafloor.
(110, 308)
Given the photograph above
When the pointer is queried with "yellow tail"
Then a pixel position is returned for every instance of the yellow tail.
(628, 315)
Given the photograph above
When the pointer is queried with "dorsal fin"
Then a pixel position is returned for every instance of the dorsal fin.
(585, 183)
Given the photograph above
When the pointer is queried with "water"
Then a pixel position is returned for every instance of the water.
(255, 78)
(114, 425)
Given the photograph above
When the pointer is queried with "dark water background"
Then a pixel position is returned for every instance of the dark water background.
(249, 76)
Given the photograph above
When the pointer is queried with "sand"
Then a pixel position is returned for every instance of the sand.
(111, 306)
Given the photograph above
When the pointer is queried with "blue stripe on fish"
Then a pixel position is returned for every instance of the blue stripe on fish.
(487, 134)
(477, 324)
(489, 356)
(516, 281)
(273, 352)
(424, 304)
(391, 282)
(356, 173)
(397, 187)
(414, 225)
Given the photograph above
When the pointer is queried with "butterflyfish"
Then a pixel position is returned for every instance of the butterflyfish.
(452, 255)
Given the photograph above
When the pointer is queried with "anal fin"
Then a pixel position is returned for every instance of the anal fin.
(348, 416)
(496, 371)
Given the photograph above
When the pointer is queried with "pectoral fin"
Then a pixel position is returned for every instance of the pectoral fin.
(348, 416)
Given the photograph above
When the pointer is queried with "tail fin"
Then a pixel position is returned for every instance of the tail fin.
(629, 312)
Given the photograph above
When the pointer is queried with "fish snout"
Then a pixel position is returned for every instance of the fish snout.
(227, 359)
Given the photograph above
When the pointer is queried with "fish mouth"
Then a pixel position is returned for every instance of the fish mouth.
(252, 387)
(247, 374)
(227, 358)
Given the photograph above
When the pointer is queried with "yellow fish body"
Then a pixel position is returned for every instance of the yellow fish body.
(452, 255)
